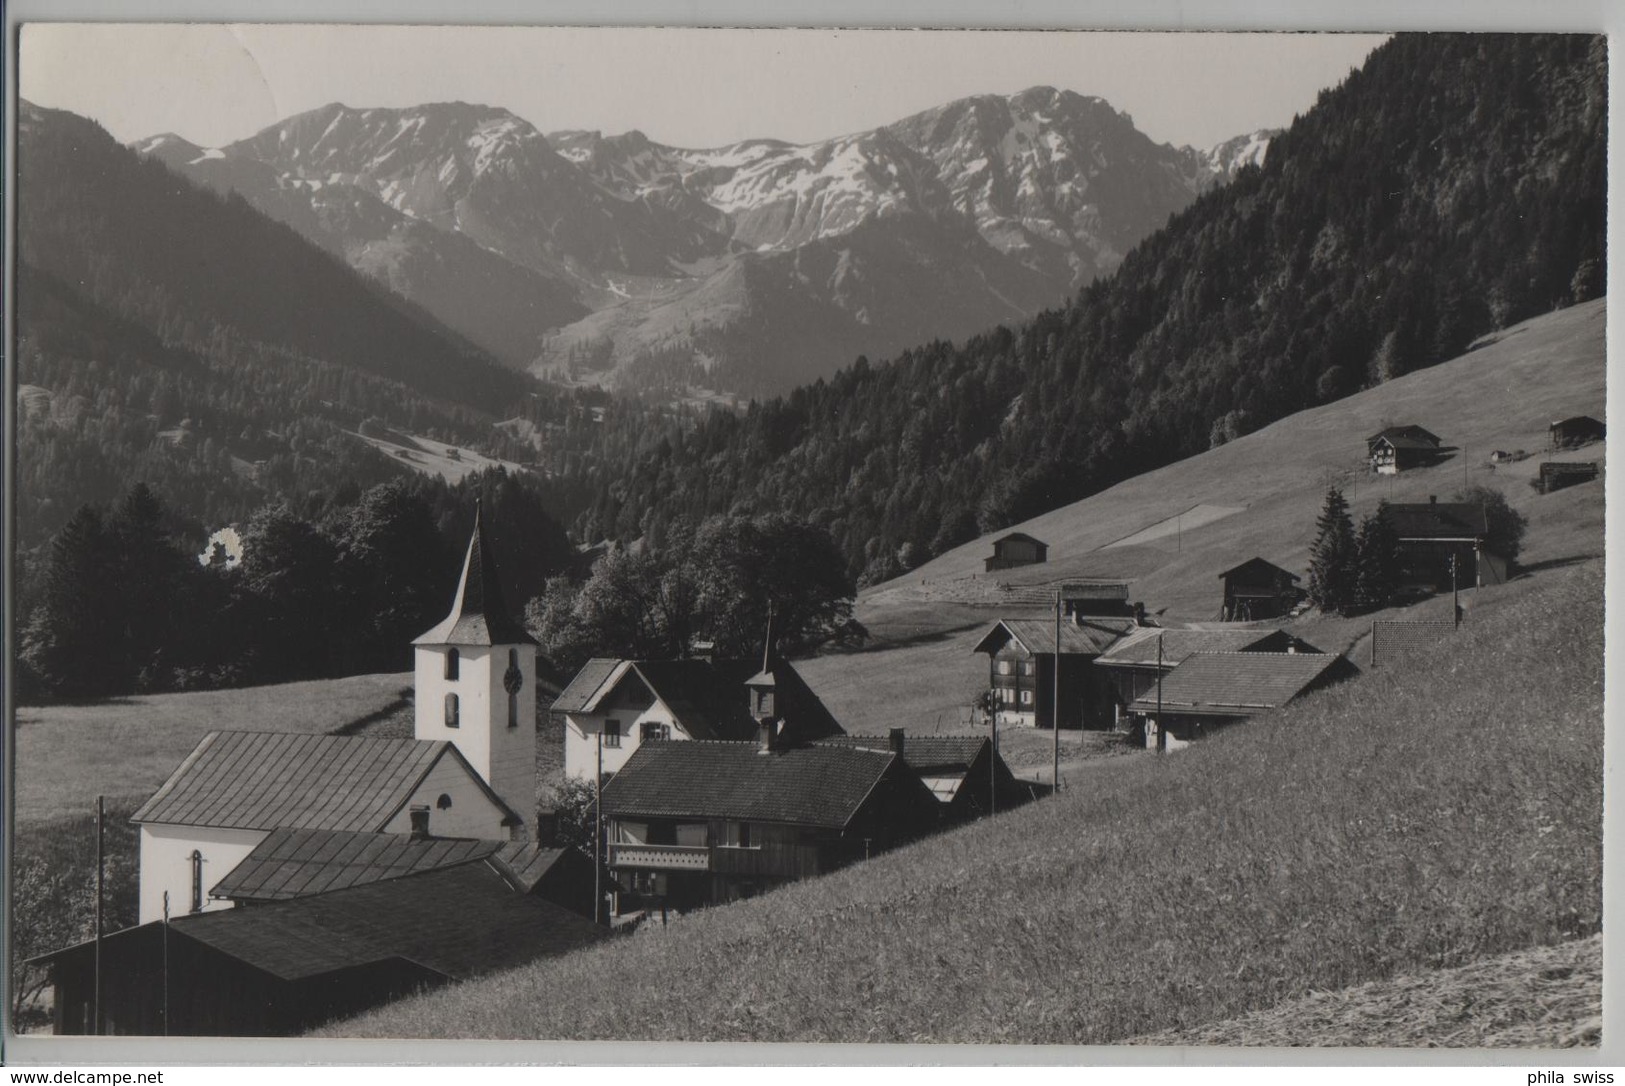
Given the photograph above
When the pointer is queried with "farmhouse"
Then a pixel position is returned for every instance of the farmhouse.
(470, 768)
(1210, 689)
(1022, 667)
(1577, 430)
(1399, 448)
(1133, 664)
(700, 823)
(1433, 535)
(1257, 589)
(1017, 549)
(285, 966)
(631, 702)
(964, 772)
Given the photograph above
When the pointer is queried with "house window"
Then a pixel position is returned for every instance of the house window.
(1026, 697)
(736, 835)
(451, 711)
(197, 880)
(1026, 667)
(655, 731)
(453, 660)
(612, 733)
(1004, 667)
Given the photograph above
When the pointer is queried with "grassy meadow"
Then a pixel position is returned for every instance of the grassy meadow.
(1427, 815)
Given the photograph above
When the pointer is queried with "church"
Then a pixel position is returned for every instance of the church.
(469, 771)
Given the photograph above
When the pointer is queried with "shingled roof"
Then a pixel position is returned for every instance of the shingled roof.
(921, 752)
(1405, 437)
(298, 862)
(458, 921)
(278, 780)
(578, 693)
(1139, 649)
(1085, 637)
(1237, 683)
(1436, 520)
(821, 785)
(478, 615)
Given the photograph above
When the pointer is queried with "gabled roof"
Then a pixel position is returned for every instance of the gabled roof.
(458, 921)
(922, 753)
(525, 863)
(1086, 637)
(1018, 537)
(1139, 649)
(478, 615)
(1260, 566)
(822, 786)
(587, 682)
(298, 862)
(1436, 520)
(1236, 683)
(1578, 420)
(1413, 437)
(279, 780)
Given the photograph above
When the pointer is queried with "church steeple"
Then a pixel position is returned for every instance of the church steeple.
(478, 614)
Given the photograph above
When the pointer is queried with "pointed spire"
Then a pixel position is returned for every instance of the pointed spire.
(767, 641)
(478, 615)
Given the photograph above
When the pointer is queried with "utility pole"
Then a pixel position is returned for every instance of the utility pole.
(993, 762)
(1162, 735)
(1055, 731)
(100, 821)
(598, 834)
(1455, 591)
(166, 963)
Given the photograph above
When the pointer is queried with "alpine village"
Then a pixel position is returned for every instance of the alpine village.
(1193, 636)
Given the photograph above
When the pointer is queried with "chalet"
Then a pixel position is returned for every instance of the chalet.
(1401, 447)
(1441, 544)
(962, 771)
(285, 966)
(1211, 689)
(1578, 430)
(631, 702)
(1097, 599)
(1017, 549)
(1022, 668)
(1555, 475)
(1256, 590)
(1133, 664)
(470, 767)
(700, 823)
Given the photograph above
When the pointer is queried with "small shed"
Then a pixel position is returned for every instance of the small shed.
(1555, 475)
(1099, 598)
(1257, 589)
(1017, 549)
(1576, 430)
(1398, 448)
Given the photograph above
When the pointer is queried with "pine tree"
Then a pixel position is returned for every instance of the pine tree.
(1333, 557)
(1377, 562)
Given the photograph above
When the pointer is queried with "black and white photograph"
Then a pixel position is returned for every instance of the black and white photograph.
(823, 536)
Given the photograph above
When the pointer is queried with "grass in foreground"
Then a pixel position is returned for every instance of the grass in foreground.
(1423, 817)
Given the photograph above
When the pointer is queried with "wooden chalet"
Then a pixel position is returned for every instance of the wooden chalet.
(962, 771)
(1257, 590)
(1555, 475)
(1210, 689)
(284, 967)
(1399, 448)
(1576, 430)
(1433, 534)
(701, 823)
(1133, 665)
(1017, 549)
(1022, 667)
(1099, 598)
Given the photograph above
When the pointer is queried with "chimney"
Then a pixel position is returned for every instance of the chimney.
(767, 736)
(1433, 499)
(895, 741)
(420, 821)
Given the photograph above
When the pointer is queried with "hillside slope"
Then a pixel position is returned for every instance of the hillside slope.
(1501, 395)
(1441, 809)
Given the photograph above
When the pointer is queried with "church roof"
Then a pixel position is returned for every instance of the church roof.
(277, 780)
(478, 614)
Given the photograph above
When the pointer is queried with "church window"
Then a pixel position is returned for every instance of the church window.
(513, 710)
(197, 880)
(451, 711)
(453, 660)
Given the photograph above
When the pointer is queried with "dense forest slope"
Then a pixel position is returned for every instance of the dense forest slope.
(1454, 185)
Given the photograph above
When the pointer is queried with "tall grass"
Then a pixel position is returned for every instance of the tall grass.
(1429, 813)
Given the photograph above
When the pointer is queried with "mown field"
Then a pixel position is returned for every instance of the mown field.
(1425, 816)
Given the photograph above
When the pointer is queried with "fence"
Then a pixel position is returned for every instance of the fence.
(1393, 636)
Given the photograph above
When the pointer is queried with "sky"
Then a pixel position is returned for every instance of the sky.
(696, 88)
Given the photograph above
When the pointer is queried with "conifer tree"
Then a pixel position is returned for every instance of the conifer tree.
(1333, 557)
(1377, 562)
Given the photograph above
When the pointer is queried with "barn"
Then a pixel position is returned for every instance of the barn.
(1441, 545)
(1017, 549)
(1257, 589)
(1211, 689)
(1576, 430)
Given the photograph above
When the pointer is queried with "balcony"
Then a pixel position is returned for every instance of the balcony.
(661, 857)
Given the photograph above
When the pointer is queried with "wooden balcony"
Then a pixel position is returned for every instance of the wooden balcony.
(661, 857)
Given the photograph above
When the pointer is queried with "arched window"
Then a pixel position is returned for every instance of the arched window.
(513, 681)
(197, 880)
(453, 659)
(451, 710)
(444, 802)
